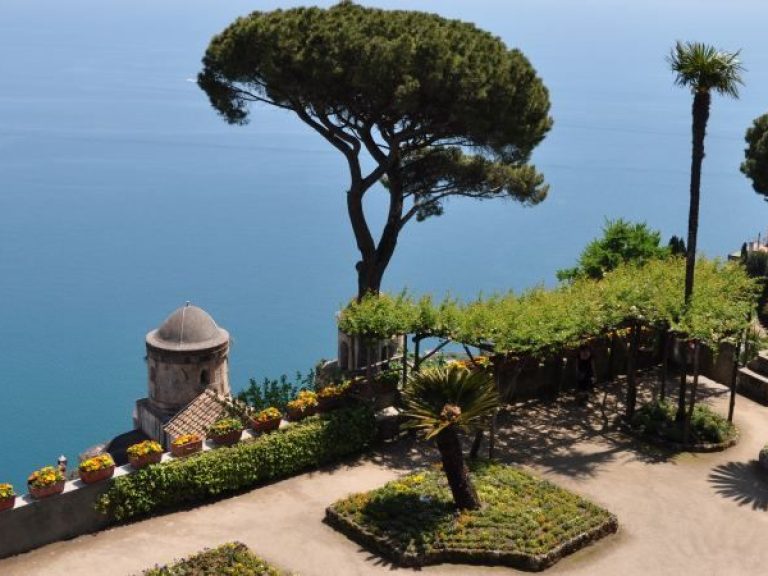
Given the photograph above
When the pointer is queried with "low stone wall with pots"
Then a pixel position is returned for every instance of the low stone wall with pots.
(33, 523)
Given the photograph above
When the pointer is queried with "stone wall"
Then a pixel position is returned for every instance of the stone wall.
(34, 523)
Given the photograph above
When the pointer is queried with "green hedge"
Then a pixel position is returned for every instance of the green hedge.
(313, 442)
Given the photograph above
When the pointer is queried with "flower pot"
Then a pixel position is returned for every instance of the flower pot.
(266, 425)
(295, 414)
(93, 476)
(228, 438)
(7, 503)
(330, 403)
(187, 449)
(145, 460)
(46, 491)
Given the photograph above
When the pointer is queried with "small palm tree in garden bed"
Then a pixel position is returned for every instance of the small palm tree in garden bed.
(442, 401)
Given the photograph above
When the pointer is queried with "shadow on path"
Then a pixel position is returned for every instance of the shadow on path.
(744, 482)
(557, 434)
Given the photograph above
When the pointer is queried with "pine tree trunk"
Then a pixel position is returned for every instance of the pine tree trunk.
(700, 112)
(456, 471)
(375, 259)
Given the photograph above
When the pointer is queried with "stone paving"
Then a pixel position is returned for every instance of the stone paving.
(703, 514)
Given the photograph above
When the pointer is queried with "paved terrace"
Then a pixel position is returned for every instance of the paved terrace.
(703, 514)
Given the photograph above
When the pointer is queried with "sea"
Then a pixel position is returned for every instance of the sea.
(123, 195)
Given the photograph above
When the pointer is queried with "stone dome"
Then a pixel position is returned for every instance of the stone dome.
(188, 328)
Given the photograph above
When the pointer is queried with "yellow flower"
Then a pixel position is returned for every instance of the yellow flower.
(186, 439)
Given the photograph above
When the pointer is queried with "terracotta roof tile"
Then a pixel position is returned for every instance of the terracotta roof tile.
(197, 416)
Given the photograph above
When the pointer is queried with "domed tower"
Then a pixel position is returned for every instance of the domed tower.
(186, 355)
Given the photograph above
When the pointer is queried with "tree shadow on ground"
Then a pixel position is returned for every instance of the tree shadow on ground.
(564, 437)
(744, 482)
(407, 453)
(558, 435)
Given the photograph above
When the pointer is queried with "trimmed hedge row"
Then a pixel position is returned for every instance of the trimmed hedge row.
(313, 442)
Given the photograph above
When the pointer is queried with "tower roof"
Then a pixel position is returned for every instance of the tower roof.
(188, 328)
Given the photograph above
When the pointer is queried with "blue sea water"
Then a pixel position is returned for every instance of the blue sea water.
(122, 194)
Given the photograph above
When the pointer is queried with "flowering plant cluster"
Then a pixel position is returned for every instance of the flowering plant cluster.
(46, 476)
(224, 426)
(267, 415)
(305, 400)
(100, 462)
(186, 439)
(144, 448)
(479, 363)
(334, 391)
(6, 491)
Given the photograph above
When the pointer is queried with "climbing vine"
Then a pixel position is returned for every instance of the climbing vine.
(539, 321)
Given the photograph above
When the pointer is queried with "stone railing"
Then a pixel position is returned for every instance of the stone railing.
(33, 523)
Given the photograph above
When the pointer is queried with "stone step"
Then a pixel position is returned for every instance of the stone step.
(760, 363)
(753, 385)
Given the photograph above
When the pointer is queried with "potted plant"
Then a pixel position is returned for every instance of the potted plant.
(305, 404)
(46, 482)
(331, 397)
(226, 431)
(96, 469)
(7, 497)
(267, 420)
(186, 444)
(145, 453)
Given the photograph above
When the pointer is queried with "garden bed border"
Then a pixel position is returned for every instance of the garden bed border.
(519, 560)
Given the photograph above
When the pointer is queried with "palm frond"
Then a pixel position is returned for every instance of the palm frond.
(702, 68)
(437, 398)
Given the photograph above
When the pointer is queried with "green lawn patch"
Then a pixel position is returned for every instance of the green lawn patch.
(233, 558)
(525, 522)
(709, 430)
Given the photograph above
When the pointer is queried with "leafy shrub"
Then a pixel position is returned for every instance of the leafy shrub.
(224, 426)
(314, 442)
(233, 558)
(622, 242)
(658, 419)
(275, 393)
(390, 376)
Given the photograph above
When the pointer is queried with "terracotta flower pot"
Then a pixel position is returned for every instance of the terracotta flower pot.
(145, 460)
(93, 476)
(227, 439)
(187, 449)
(46, 491)
(7, 503)
(296, 415)
(266, 425)
(330, 403)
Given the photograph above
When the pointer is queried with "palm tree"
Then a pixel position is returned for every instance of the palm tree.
(703, 69)
(442, 401)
